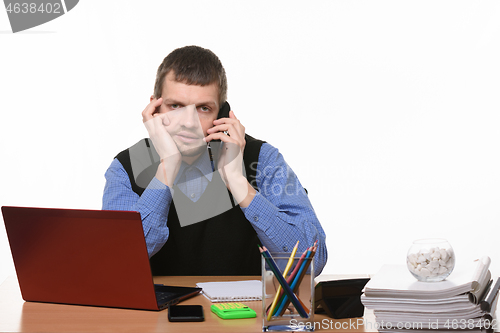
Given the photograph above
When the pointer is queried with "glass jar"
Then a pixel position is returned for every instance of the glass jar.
(430, 259)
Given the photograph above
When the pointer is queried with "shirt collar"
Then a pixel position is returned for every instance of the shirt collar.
(202, 163)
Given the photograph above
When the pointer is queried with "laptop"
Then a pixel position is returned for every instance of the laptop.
(85, 257)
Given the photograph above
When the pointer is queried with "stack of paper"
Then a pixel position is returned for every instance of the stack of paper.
(232, 291)
(465, 301)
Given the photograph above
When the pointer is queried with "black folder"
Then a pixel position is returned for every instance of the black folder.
(340, 298)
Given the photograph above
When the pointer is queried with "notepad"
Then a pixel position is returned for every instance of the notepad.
(229, 291)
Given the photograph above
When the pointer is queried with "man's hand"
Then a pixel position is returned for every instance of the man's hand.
(230, 164)
(164, 144)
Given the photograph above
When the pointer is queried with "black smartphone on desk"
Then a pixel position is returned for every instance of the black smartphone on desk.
(185, 313)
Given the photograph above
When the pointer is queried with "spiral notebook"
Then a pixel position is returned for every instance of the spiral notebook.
(232, 291)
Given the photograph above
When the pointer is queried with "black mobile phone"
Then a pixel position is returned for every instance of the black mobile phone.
(224, 111)
(185, 313)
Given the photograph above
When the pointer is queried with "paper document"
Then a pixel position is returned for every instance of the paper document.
(232, 291)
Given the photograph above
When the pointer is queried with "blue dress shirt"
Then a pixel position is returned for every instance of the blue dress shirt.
(280, 212)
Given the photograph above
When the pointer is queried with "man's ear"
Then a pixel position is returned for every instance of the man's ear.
(151, 98)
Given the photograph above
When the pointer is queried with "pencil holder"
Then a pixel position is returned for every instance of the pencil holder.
(280, 312)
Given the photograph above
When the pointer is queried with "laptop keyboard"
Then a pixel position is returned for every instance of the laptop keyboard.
(163, 297)
(169, 295)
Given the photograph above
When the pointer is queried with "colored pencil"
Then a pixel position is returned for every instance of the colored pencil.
(289, 280)
(285, 272)
(270, 261)
(296, 282)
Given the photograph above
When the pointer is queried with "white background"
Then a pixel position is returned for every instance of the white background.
(388, 111)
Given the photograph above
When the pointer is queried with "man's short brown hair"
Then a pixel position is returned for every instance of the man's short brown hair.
(193, 65)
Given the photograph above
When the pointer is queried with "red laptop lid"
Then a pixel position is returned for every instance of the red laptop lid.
(86, 257)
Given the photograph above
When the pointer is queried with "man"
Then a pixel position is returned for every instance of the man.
(262, 202)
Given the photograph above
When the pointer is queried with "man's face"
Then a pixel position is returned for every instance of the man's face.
(190, 110)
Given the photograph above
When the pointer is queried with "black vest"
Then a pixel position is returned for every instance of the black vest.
(225, 244)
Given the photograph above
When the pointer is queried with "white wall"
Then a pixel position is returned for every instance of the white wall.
(387, 110)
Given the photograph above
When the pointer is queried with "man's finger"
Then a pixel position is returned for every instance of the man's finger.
(226, 121)
(219, 136)
(220, 128)
(148, 112)
(237, 126)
